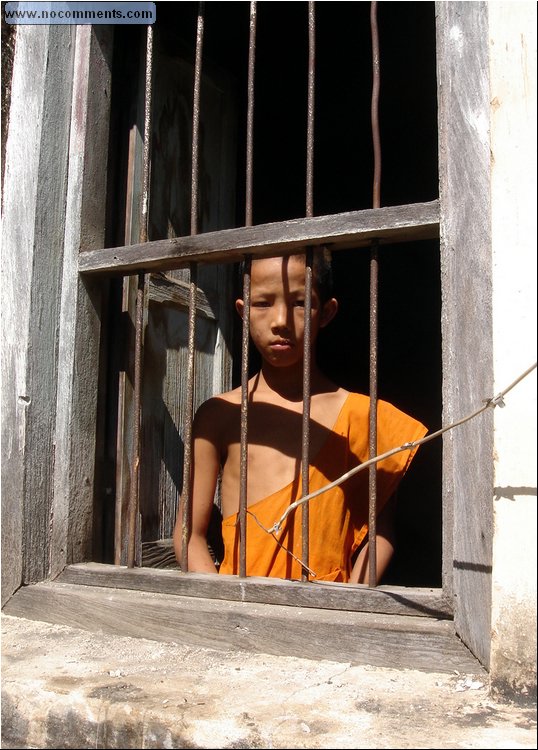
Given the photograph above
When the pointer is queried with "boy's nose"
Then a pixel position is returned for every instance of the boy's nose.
(280, 316)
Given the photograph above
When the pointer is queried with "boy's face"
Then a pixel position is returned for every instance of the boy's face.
(277, 309)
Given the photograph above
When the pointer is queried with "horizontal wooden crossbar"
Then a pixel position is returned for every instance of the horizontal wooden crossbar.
(392, 224)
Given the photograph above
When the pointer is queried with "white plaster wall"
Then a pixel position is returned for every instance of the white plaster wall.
(513, 141)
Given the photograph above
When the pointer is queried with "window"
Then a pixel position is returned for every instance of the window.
(343, 175)
(419, 610)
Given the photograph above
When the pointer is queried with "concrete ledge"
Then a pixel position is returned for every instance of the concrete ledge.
(399, 641)
(68, 688)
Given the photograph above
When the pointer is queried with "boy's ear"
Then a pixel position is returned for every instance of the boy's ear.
(328, 311)
(240, 306)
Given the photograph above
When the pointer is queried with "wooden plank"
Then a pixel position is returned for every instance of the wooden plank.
(323, 595)
(18, 227)
(32, 243)
(353, 637)
(340, 231)
(466, 321)
(124, 451)
(164, 290)
(70, 522)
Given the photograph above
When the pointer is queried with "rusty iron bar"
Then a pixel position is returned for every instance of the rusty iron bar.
(244, 422)
(144, 203)
(187, 431)
(374, 301)
(247, 265)
(134, 489)
(305, 457)
(121, 529)
(372, 443)
(250, 114)
(310, 110)
(137, 409)
(186, 499)
(196, 118)
(376, 203)
(307, 350)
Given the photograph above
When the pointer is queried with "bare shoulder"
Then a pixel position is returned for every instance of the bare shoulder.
(327, 403)
(213, 415)
(212, 408)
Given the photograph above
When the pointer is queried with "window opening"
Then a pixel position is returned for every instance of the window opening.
(249, 223)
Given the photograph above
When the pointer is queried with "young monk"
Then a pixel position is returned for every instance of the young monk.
(338, 546)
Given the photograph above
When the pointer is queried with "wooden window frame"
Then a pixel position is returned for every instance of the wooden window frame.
(440, 629)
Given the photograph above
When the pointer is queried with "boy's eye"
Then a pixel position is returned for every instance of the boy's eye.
(260, 303)
(299, 303)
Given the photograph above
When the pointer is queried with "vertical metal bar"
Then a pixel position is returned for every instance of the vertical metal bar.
(372, 442)
(305, 459)
(376, 85)
(310, 112)
(196, 117)
(193, 277)
(124, 449)
(187, 423)
(243, 469)
(135, 463)
(250, 113)
(244, 422)
(144, 204)
(374, 271)
(139, 314)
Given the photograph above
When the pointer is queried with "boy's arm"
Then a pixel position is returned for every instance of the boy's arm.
(384, 547)
(204, 472)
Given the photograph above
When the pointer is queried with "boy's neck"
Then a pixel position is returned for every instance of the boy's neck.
(287, 382)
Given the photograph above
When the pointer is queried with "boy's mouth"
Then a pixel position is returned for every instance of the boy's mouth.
(280, 344)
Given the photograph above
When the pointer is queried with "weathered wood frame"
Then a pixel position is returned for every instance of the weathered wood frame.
(462, 39)
(466, 317)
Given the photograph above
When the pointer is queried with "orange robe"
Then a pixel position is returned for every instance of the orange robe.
(338, 518)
